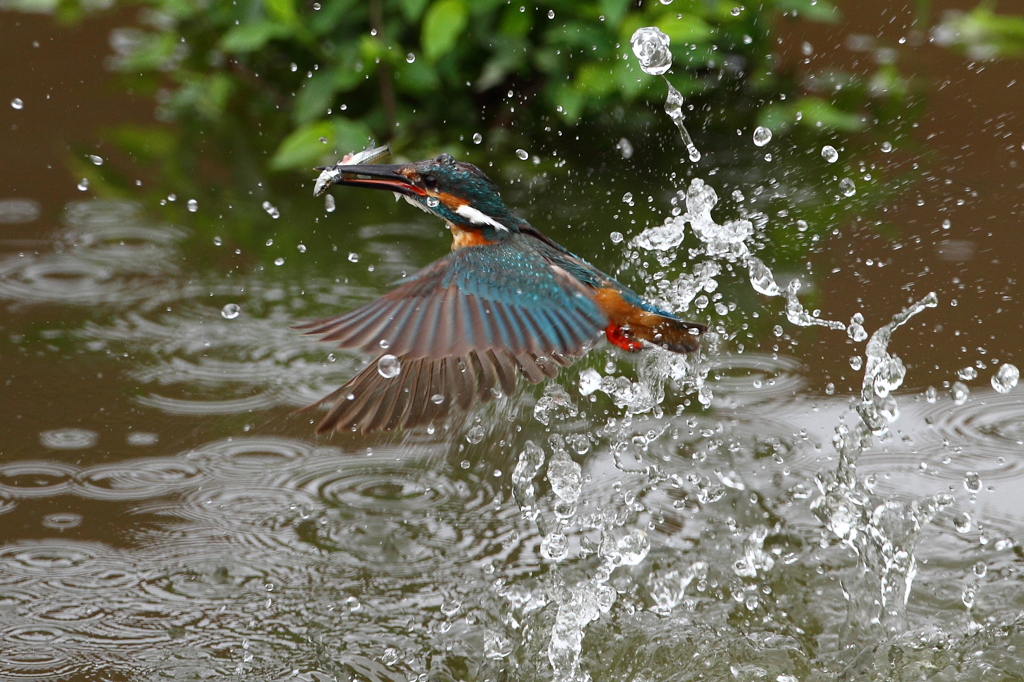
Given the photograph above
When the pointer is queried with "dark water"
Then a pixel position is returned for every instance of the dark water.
(164, 516)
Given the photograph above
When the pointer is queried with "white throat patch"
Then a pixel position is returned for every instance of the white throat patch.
(478, 217)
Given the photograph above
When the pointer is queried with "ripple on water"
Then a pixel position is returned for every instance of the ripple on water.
(753, 378)
(32, 479)
(68, 439)
(180, 406)
(254, 456)
(138, 479)
(107, 258)
(985, 434)
(17, 211)
(398, 517)
(28, 661)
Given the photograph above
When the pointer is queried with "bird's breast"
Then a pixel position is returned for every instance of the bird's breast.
(461, 238)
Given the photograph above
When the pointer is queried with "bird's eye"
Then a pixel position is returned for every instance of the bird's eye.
(429, 181)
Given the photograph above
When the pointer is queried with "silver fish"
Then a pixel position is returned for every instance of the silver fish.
(330, 174)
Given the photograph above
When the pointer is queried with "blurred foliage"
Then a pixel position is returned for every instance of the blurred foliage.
(321, 78)
(981, 33)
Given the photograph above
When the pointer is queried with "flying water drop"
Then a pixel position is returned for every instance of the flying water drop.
(231, 311)
(847, 187)
(1006, 378)
(329, 204)
(16, 103)
(762, 136)
(650, 45)
(829, 153)
(271, 210)
(522, 154)
(388, 366)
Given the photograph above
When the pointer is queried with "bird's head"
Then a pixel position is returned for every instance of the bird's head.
(457, 192)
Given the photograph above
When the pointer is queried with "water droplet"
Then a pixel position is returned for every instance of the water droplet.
(323, 140)
(477, 138)
(967, 373)
(437, 398)
(856, 362)
(962, 522)
(16, 103)
(269, 242)
(279, 261)
(83, 184)
(887, 147)
(522, 154)
(475, 434)
(217, 241)
(271, 210)
(554, 547)
(651, 47)
(625, 148)
(353, 257)
(829, 153)
(294, 67)
(972, 482)
(96, 160)
(1006, 378)
(193, 205)
(931, 394)
(551, 14)
(959, 393)
(329, 204)
(735, 11)
(847, 187)
(616, 237)
(762, 136)
(388, 366)
(627, 198)
(980, 569)
(301, 248)
(231, 311)
(433, 202)
(590, 381)
(316, 6)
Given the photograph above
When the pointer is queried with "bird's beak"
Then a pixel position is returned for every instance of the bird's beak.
(374, 176)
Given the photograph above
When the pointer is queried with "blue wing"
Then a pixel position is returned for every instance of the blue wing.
(503, 296)
(462, 329)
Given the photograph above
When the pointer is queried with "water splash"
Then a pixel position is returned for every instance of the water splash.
(883, 533)
(651, 47)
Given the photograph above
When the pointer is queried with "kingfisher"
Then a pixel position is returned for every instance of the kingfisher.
(507, 301)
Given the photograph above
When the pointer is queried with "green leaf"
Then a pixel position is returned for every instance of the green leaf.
(814, 10)
(303, 147)
(282, 11)
(613, 10)
(814, 112)
(253, 36)
(817, 113)
(444, 23)
(316, 95)
(684, 28)
(412, 9)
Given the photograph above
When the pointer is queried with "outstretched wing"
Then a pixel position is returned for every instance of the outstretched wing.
(495, 297)
(461, 328)
(429, 390)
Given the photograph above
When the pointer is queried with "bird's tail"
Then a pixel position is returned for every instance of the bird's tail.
(667, 331)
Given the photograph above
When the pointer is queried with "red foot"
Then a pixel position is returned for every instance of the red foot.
(620, 337)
